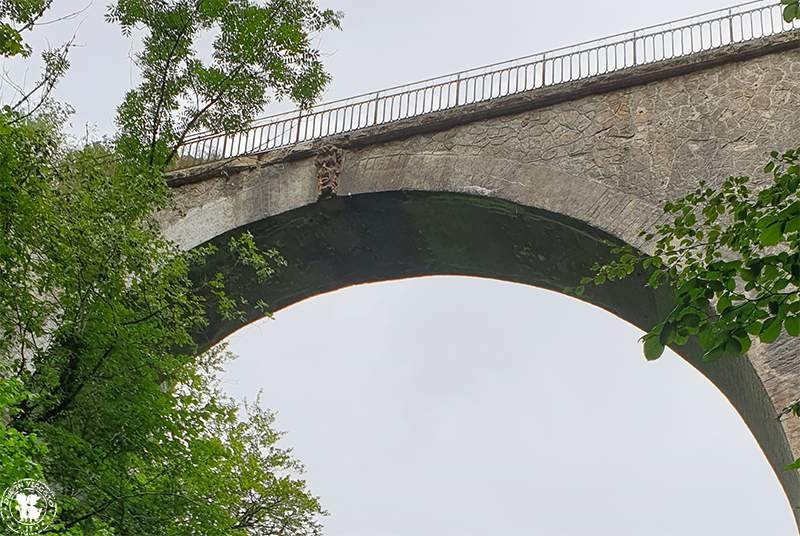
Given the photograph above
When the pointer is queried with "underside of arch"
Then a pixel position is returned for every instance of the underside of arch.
(367, 238)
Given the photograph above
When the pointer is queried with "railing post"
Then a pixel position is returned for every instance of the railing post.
(458, 87)
(544, 69)
(299, 119)
(730, 23)
(375, 115)
(634, 50)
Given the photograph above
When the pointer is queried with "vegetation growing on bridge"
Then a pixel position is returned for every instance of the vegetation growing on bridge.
(102, 393)
(737, 247)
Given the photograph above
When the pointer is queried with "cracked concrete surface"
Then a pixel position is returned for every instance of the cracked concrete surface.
(607, 159)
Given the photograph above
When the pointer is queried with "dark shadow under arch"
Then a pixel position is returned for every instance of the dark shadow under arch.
(394, 235)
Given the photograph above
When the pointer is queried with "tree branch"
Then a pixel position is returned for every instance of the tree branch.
(190, 125)
(36, 17)
(66, 401)
(163, 88)
(48, 82)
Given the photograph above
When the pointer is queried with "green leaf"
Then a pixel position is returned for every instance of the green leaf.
(744, 344)
(793, 225)
(790, 12)
(770, 272)
(723, 303)
(770, 330)
(707, 338)
(652, 347)
(691, 320)
(754, 328)
(746, 275)
(733, 346)
(667, 334)
(794, 465)
(792, 325)
(766, 221)
(715, 352)
(771, 235)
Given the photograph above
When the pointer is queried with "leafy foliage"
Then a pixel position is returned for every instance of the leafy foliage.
(736, 247)
(16, 17)
(19, 452)
(791, 10)
(93, 304)
(55, 63)
(732, 257)
(260, 50)
(102, 391)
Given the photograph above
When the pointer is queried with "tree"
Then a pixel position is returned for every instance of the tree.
(102, 391)
(258, 48)
(732, 257)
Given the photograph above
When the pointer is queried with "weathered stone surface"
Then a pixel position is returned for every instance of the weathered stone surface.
(524, 189)
(329, 166)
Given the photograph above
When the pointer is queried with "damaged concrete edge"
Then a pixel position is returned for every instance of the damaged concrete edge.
(508, 105)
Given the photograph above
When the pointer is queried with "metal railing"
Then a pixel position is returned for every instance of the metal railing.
(674, 39)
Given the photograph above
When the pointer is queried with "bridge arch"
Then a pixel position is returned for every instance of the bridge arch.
(395, 235)
(526, 189)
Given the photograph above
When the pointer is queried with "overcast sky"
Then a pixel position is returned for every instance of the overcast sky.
(458, 406)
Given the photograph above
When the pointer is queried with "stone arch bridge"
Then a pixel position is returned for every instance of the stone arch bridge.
(523, 188)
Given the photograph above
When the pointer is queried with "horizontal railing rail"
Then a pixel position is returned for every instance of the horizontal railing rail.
(683, 37)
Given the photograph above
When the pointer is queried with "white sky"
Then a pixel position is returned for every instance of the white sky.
(457, 406)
